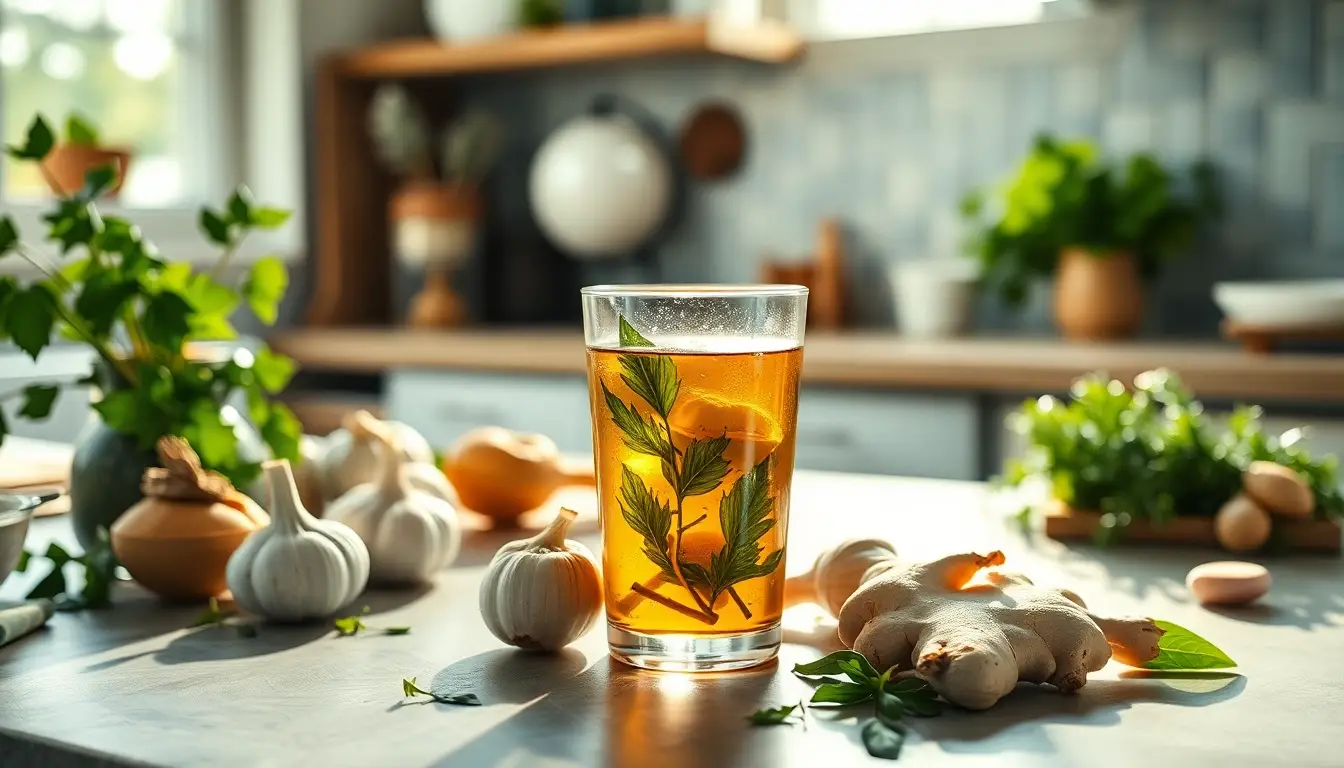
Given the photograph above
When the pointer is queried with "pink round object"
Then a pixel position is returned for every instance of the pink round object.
(1227, 582)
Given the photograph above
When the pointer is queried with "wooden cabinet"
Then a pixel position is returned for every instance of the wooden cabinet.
(445, 404)
(888, 433)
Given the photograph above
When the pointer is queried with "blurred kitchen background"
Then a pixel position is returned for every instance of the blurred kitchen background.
(828, 141)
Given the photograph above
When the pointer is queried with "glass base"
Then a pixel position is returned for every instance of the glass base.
(693, 653)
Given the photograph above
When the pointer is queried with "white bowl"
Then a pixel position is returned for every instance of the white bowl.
(1282, 304)
(15, 512)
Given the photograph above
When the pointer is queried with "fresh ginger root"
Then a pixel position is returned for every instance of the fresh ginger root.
(974, 642)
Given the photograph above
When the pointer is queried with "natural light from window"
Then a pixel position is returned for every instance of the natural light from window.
(880, 18)
(130, 66)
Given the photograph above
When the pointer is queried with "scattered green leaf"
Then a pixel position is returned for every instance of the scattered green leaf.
(841, 693)
(1179, 648)
(353, 625)
(409, 688)
(882, 740)
(212, 616)
(782, 715)
(80, 132)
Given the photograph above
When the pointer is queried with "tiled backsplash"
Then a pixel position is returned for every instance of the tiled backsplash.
(890, 142)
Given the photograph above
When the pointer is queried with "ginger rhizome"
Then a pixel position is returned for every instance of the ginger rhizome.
(974, 639)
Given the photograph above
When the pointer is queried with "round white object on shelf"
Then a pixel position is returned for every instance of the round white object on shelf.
(934, 297)
(1227, 582)
(1285, 304)
(461, 20)
(600, 187)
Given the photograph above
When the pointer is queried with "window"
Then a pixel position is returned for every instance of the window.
(851, 19)
(175, 81)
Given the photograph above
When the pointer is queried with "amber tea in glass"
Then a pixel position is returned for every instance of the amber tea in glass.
(694, 393)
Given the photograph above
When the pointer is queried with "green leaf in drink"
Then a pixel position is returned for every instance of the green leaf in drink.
(629, 337)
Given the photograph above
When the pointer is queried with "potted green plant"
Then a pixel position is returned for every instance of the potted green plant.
(1099, 229)
(80, 151)
(103, 285)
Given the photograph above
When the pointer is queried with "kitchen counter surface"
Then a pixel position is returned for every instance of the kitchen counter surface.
(874, 360)
(133, 685)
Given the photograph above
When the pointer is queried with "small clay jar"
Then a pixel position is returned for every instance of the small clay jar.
(434, 228)
(1098, 297)
(177, 541)
(67, 164)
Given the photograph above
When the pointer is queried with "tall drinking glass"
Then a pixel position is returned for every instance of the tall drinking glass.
(694, 393)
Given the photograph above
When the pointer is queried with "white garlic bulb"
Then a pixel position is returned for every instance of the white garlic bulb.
(411, 534)
(838, 572)
(298, 567)
(312, 449)
(351, 458)
(544, 592)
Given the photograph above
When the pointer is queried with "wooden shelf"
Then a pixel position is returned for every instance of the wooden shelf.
(879, 360)
(575, 44)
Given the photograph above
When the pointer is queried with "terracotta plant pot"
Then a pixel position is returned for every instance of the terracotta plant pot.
(434, 228)
(1097, 296)
(66, 165)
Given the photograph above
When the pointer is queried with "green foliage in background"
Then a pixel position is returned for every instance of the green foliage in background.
(1063, 196)
(1151, 453)
(107, 287)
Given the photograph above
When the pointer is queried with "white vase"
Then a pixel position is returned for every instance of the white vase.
(934, 298)
(462, 20)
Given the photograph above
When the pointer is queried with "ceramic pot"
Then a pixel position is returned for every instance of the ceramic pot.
(105, 474)
(180, 550)
(434, 228)
(66, 165)
(1097, 296)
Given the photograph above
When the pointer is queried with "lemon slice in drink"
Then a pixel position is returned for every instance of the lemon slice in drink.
(699, 416)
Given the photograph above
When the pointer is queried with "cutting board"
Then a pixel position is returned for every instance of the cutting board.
(29, 464)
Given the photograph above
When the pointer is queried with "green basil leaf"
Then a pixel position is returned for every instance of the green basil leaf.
(830, 665)
(9, 235)
(772, 716)
(80, 132)
(98, 180)
(240, 206)
(215, 227)
(881, 740)
(282, 432)
(265, 287)
(273, 371)
(165, 321)
(889, 708)
(269, 218)
(841, 693)
(1179, 648)
(396, 630)
(38, 143)
(30, 315)
(653, 378)
(629, 337)
(703, 466)
(38, 400)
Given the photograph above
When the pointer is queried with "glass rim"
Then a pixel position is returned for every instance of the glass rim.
(695, 290)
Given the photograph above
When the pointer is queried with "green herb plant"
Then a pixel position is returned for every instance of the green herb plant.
(883, 735)
(100, 571)
(103, 285)
(353, 625)
(409, 689)
(1151, 453)
(745, 511)
(1063, 196)
(1181, 649)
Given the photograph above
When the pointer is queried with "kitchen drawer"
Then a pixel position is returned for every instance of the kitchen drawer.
(887, 433)
(445, 404)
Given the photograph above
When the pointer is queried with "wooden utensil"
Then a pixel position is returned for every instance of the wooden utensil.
(713, 142)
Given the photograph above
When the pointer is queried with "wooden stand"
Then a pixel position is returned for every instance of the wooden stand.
(1065, 523)
(1261, 340)
(824, 276)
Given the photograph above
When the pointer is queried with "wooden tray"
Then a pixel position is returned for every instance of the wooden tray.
(1261, 339)
(1065, 523)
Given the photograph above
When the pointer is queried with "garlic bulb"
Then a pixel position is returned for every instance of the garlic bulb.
(312, 450)
(411, 534)
(838, 572)
(298, 567)
(350, 457)
(544, 592)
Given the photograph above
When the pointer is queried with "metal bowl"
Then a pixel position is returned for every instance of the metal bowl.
(15, 512)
